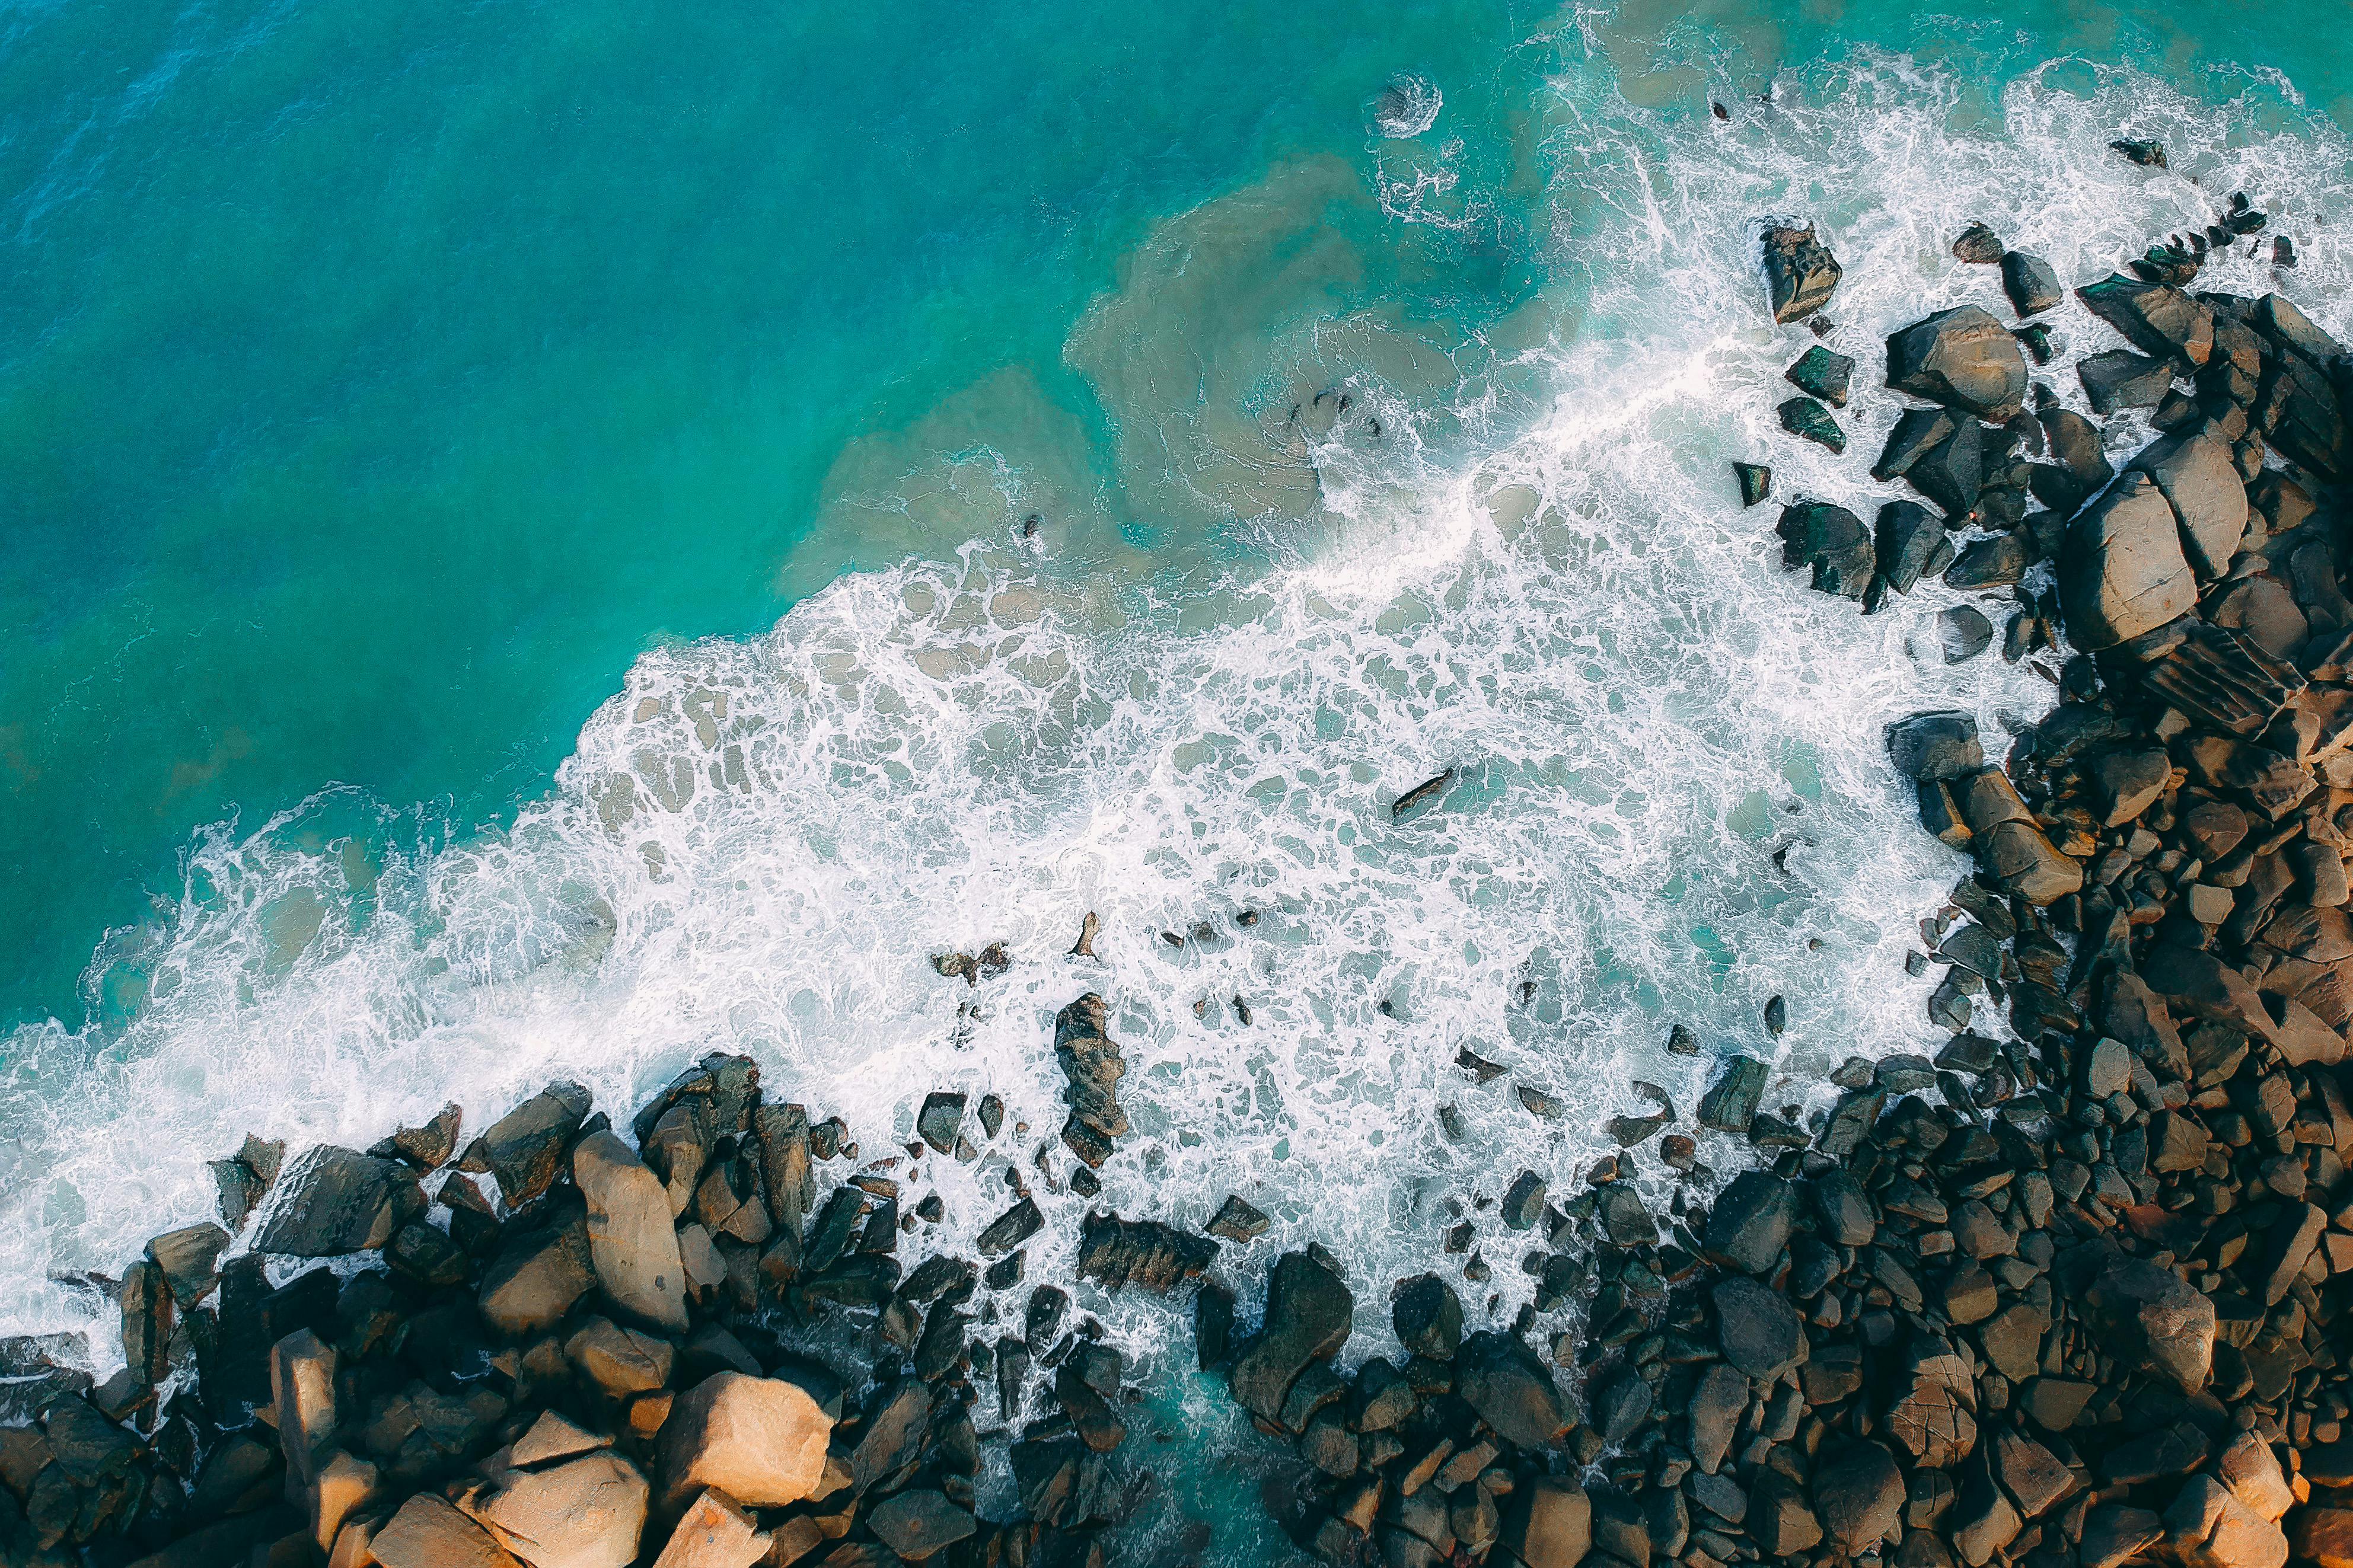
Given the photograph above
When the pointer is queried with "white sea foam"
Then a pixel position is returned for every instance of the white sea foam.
(758, 844)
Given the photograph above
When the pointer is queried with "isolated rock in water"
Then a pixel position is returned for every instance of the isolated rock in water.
(1962, 358)
(631, 1244)
(2155, 318)
(760, 1440)
(1092, 1062)
(1755, 482)
(1911, 544)
(1309, 1314)
(1979, 244)
(2148, 154)
(2198, 477)
(2156, 1318)
(524, 1148)
(2031, 285)
(2121, 572)
(1239, 1220)
(1114, 1252)
(1823, 374)
(1730, 1103)
(338, 1201)
(1964, 631)
(941, 1120)
(1799, 272)
(1805, 417)
(2123, 379)
(1834, 541)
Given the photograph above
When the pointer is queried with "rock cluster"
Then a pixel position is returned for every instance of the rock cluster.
(679, 1352)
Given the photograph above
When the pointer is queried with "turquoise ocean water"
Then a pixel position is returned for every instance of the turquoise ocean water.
(548, 539)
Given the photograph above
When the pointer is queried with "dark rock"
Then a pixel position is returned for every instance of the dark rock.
(917, 1524)
(1858, 1497)
(1500, 1379)
(1917, 432)
(1114, 1252)
(1963, 359)
(941, 1120)
(524, 1150)
(2031, 285)
(1213, 1324)
(1964, 632)
(1009, 1229)
(339, 1201)
(1911, 544)
(1799, 272)
(188, 1257)
(2121, 572)
(1823, 375)
(1309, 1313)
(1730, 1103)
(1805, 417)
(1979, 244)
(1752, 1222)
(1940, 745)
(1755, 482)
(2119, 378)
(1623, 1219)
(424, 1148)
(2155, 1317)
(1427, 1316)
(1621, 1406)
(2157, 318)
(1092, 1062)
(1996, 563)
(1759, 1331)
(1239, 1221)
(2147, 154)
(1834, 541)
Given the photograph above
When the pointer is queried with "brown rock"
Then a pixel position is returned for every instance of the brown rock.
(2211, 1528)
(760, 1440)
(620, 1361)
(302, 1393)
(2321, 1536)
(714, 1533)
(345, 1485)
(2121, 572)
(537, 1277)
(630, 1243)
(586, 1512)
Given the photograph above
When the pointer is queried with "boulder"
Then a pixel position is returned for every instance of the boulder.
(1799, 272)
(2114, 1534)
(1718, 1401)
(716, 1533)
(940, 1120)
(537, 1276)
(1940, 745)
(1751, 1222)
(760, 1440)
(2119, 378)
(1952, 473)
(916, 1524)
(586, 1512)
(2156, 1318)
(631, 1246)
(1427, 1316)
(2157, 318)
(523, 1149)
(1501, 1380)
(2197, 475)
(1962, 358)
(1757, 1329)
(1917, 432)
(2031, 283)
(1092, 1067)
(1729, 1105)
(337, 1201)
(2121, 572)
(188, 1258)
(1823, 375)
(2321, 1536)
(428, 1533)
(1858, 1496)
(2209, 1527)
(302, 1394)
(1755, 482)
(620, 1361)
(1114, 1252)
(426, 1147)
(1980, 244)
(1834, 541)
(1804, 417)
(1548, 1524)
(1910, 542)
(1309, 1314)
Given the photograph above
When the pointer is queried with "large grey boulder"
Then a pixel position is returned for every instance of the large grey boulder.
(2119, 378)
(2198, 476)
(524, 1148)
(2156, 317)
(1309, 1314)
(2121, 571)
(1962, 358)
(630, 1242)
(2031, 285)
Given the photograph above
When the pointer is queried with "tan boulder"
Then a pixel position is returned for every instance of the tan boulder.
(302, 1394)
(355, 1544)
(586, 1512)
(630, 1242)
(620, 1361)
(714, 1533)
(760, 1440)
(552, 1438)
(344, 1486)
(2209, 1527)
(536, 1276)
(427, 1532)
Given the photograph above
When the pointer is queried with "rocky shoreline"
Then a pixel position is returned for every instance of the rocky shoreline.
(2063, 1299)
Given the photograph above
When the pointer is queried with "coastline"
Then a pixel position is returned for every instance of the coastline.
(1954, 1331)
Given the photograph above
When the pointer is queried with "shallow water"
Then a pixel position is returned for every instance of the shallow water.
(1249, 460)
